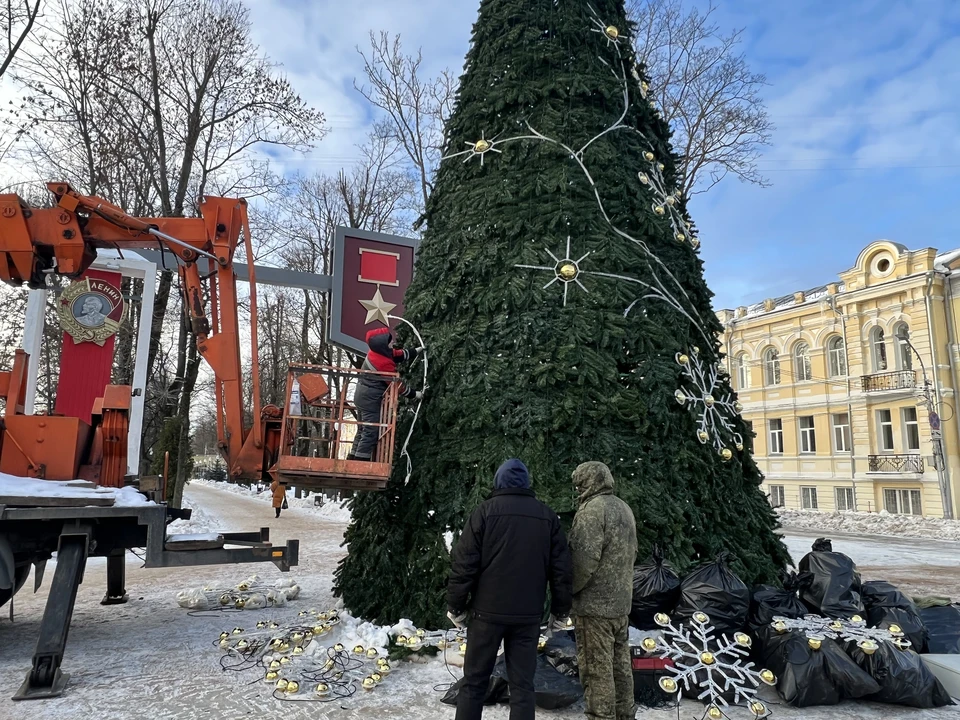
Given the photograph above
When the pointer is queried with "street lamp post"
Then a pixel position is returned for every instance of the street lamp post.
(936, 433)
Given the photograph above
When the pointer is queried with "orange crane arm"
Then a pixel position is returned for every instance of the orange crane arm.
(64, 239)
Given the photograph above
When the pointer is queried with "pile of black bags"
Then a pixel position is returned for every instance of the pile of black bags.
(830, 582)
(656, 589)
(886, 606)
(943, 629)
(713, 589)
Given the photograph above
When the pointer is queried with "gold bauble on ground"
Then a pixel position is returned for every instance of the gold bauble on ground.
(293, 686)
(281, 684)
(758, 708)
(401, 639)
(323, 689)
(668, 684)
(372, 653)
(359, 650)
(237, 630)
(298, 650)
(297, 637)
(768, 677)
(706, 657)
(225, 599)
(568, 271)
(714, 713)
(274, 665)
(329, 665)
(242, 645)
(261, 625)
(612, 32)
(369, 683)
(284, 660)
(384, 669)
(224, 635)
(338, 647)
(815, 643)
(649, 644)
(377, 677)
(463, 648)
(271, 676)
(338, 676)
(240, 603)
(284, 646)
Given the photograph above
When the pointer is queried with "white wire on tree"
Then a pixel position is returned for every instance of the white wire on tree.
(416, 414)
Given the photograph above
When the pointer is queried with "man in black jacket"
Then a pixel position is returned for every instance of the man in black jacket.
(510, 549)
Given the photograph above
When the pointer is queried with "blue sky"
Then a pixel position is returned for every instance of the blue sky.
(864, 94)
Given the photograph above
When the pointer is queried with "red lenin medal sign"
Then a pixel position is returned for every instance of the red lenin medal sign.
(371, 273)
(91, 312)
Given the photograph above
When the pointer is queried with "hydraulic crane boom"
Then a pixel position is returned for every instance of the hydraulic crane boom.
(35, 242)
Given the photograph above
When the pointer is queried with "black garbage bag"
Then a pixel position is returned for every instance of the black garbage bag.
(716, 591)
(553, 689)
(807, 677)
(768, 602)
(902, 676)
(886, 606)
(943, 629)
(561, 652)
(656, 589)
(830, 582)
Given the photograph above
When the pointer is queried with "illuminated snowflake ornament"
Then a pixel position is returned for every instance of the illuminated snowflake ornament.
(854, 630)
(566, 271)
(716, 408)
(610, 32)
(478, 148)
(713, 666)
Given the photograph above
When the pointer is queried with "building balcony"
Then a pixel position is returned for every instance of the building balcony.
(900, 380)
(895, 464)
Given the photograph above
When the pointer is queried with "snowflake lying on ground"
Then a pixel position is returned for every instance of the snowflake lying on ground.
(715, 667)
(853, 630)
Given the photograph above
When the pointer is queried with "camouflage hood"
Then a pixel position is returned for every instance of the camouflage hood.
(591, 479)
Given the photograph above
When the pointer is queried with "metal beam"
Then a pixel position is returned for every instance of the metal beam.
(277, 277)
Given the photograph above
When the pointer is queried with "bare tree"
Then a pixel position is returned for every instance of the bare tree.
(706, 91)
(16, 21)
(417, 108)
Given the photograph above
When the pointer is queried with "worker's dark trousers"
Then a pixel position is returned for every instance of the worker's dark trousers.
(368, 403)
(520, 653)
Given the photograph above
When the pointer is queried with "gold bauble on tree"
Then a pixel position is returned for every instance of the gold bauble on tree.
(481, 146)
(726, 454)
(703, 436)
(568, 271)
(660, 210)
(649, 156)
(612, 32)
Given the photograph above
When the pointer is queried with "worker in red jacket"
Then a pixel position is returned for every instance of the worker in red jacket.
(368, 398)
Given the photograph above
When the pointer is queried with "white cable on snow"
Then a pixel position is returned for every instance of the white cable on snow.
(423, 391)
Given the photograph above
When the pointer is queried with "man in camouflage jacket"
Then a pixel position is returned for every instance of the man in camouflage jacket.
(603, 542)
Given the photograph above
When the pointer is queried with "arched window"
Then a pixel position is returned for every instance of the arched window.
(742, 372)
(837, 357)
(771, 367)
(801, 363)
(878, 346)
(904, 352)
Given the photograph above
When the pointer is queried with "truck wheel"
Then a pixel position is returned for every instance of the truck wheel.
(20, 577)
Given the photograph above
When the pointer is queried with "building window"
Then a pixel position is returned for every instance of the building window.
(743, 372)
(837, 357)
(771, 367)
(844, 499)
(904, 353)
(902, 502)
(885, 425)
(808, 498)
(801, 363)
(776, 437)
(777, 496)
(878, 345)
(911, 429)
(808, 435)
(841, 433)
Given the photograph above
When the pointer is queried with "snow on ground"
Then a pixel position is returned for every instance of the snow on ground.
(200, 522)
(862, 523)
(152, 659)
(332, 510)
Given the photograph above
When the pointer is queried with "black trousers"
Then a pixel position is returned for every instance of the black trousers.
(278, 511)
(368, 404)
(520, 653)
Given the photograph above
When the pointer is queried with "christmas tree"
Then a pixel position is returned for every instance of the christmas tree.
(563, 303)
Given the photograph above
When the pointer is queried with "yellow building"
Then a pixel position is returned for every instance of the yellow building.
(838, 383)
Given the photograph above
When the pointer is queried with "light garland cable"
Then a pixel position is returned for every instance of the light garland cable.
(854, 630)
(404, 452)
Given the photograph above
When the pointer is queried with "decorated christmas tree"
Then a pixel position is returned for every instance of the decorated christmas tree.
(561, 296)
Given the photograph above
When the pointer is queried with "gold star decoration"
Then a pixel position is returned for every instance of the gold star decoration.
(377, 309)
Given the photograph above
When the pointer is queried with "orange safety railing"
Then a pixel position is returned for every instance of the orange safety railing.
(315, 442)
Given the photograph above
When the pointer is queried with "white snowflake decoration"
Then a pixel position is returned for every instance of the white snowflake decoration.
(717, 410)
(854, 630)
(715, 667)
(566, 271)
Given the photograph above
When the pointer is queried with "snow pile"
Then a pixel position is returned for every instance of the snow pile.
(334, 511)
(862, 523)
(200, 522)
(21, 487)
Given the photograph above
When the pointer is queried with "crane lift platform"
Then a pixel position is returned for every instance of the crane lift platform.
(304, 444)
